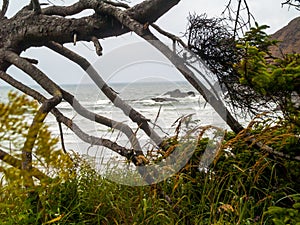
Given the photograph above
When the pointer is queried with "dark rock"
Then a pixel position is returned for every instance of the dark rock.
(178, 94)
(191, 93)
(159, 99)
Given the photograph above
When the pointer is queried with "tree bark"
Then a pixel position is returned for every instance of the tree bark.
(51, 27)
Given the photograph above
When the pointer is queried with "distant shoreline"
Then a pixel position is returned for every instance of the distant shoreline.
(110, 83)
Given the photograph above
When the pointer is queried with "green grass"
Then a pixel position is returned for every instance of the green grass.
(245, 186)
(234, 193)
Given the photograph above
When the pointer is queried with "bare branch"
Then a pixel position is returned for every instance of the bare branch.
(102, 120)
(33, 61)
(79, 109)
(97, 46)
(173, 37)
(291, 3)
(4, 8)
(180, 65)
(65, 10)
(151, 10)
(117, 4)
(33, 72)
(235, 15)
(46, 28)
(110, 94)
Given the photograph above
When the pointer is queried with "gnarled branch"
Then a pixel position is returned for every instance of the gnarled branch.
(78, 108)
(173, 37)
(110, 94)
(33, 72)
(65, 10)
(4, 8)
(179, 62)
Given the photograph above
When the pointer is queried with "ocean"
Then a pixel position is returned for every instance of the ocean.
(155, 101)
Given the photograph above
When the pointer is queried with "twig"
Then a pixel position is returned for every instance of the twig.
(33, 61)
(97, 46)
(117, 4)
(173, 37)
(35, 5)
(237, 18)
(157, 116)
(62, 138)
(4, 8)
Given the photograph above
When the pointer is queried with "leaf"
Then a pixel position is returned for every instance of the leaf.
(226, 207)
(297, 205)
(55, 219)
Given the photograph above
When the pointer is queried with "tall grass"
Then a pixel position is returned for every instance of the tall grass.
(232, 192)
(244, 185)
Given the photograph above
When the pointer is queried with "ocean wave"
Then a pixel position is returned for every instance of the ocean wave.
(103, 102)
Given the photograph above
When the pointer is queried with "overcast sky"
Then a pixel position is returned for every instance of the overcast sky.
(267, 12)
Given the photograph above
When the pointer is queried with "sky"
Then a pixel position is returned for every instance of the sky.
(269, 12)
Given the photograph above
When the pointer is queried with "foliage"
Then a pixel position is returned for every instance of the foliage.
(283, 215)
(254, 79)
(15, 120)
(278, 80)
(243, 185)
(213, 40)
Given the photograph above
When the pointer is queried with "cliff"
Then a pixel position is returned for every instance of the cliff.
(289, 37)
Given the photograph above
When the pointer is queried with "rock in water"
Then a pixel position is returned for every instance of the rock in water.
(178, 94)
(160, 99)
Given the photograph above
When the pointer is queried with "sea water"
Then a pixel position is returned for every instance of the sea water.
(163, 116)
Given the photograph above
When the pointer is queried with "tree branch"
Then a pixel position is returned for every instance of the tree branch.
(35, 5)
(97, 45)
(4, 8)
(34, 129)
(117, 4)
(173, 37)
(179, 63)
(36, 30)
(65, 10)
(33, 72)
(16, 163)
(110, 94)
(69, 123)
(79, 109)
(102, 120)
